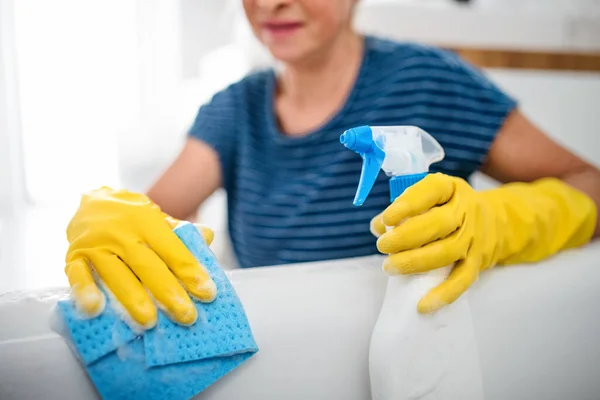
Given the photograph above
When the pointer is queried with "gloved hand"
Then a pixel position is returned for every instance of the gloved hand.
(129, 243)
(441, 220)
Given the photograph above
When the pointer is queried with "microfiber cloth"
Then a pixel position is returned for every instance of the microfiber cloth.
(169, 361)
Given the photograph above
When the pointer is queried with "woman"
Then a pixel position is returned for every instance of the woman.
(272, 141)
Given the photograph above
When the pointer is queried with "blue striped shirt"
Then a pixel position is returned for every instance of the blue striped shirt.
(290, 198)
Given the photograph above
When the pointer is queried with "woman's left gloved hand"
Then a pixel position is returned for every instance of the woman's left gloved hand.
(442, 220)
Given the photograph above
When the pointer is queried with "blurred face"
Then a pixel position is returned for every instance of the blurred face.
(294, 30)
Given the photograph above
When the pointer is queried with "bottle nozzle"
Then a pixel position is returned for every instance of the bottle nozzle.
(348, 139)
(358, 139)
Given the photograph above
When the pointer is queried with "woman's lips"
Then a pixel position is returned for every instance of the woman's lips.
(280, 30)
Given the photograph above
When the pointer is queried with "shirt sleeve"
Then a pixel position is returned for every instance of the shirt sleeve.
(465, 108)
(215, 125)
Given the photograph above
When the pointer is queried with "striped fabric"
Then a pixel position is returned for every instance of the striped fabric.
(290, 198)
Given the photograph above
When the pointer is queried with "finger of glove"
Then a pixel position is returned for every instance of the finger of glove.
(183, 264)
(125, 286)
(432, 190)
(162, 284)
(418, 231)
(460, 279)
(429, 257)
(377, 227)
(89, 300)
(207, 234)
(173, 222)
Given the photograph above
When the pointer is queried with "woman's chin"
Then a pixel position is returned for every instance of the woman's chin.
(289, 54)
(286, 56)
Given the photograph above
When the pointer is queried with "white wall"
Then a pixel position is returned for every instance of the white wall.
(535, 24)
(205, 26)
(565, 105)
(12, 189)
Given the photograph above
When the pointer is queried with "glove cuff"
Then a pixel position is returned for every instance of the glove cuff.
(539, 219)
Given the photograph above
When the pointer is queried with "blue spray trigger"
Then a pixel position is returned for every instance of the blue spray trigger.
(360, 140)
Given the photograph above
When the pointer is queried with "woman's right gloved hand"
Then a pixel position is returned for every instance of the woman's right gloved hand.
(127, 242)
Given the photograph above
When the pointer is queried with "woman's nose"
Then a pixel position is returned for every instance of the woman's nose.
(273, 4)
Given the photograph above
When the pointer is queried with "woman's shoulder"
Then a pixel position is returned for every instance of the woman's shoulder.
(392, 47)
(393, 54)
(254, 82)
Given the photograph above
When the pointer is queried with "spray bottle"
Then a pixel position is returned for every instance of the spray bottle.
(414, 356)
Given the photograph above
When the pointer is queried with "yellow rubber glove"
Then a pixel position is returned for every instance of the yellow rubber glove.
(125, 240)
(441, 220)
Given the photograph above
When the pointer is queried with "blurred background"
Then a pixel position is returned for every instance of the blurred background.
(102, 93)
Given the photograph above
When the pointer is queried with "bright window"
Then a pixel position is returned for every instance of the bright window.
(79, 89)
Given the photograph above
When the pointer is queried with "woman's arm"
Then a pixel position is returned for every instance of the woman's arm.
(522, 152)
(192, 178)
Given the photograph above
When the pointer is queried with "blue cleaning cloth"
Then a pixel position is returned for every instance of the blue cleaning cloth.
(169, 361)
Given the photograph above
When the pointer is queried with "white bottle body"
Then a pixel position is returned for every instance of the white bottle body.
(414, 356)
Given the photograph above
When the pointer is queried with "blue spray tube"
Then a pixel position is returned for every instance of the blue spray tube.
(411, 353)
(403, 152)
